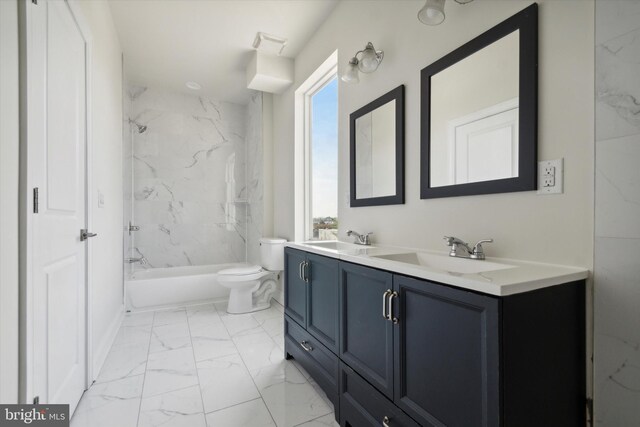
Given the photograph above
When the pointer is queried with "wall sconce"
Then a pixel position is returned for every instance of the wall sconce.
(432, 13)
(369, 60)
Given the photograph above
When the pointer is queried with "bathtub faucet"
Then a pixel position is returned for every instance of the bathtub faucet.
(141, 260)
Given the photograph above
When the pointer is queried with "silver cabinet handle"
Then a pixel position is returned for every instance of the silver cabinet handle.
(386, 421)
(305, 345)
(300, 270)
(84, 234)
(391, 317)
(384, 304)
(305, 271)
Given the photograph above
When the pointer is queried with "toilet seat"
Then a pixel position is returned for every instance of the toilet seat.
(242, 274)
(240, 271)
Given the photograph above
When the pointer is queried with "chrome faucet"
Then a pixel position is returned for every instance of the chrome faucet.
(361, 239)
(477, 252)
(141, 260)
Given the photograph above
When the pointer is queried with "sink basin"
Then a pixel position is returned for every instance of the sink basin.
(446, 263)
(336, 246)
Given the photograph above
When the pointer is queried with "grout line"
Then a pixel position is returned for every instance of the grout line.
(247, 369)
(316, 419)
(237, 404)
(193, 353)
(146, 365)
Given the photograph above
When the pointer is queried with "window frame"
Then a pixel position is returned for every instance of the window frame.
(320, 78)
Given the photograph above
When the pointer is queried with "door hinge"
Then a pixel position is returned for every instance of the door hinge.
(36, 400)
(590, 411)
(36, 200)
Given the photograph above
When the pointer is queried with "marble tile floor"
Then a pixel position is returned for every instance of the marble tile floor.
(198, 366)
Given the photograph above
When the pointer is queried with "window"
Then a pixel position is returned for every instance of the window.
(323, 162)
(316, 154)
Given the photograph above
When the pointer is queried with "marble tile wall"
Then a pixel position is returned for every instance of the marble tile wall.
(617, 215)
(254, 193)
(189, 178)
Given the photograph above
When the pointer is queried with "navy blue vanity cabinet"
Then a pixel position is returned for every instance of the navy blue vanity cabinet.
(413, 352)
(295, 295)
(366, 337)
(446, 354)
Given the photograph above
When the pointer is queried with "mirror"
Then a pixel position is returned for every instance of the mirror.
(479, 117)
(377, 151)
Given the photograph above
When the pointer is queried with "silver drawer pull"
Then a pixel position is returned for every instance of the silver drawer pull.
(384, 304)
(305, 345)
(300, 270)
(391, 317)
(386, 421)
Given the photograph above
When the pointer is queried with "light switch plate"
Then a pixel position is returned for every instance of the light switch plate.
(550, 176)
(100, 199)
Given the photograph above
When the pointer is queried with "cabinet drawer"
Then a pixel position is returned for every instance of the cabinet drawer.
(361, 405)
(321, 363)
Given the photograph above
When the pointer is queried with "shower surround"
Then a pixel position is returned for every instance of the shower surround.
(188, 182)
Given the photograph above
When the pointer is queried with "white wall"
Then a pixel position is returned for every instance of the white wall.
(555, 229)
(9, 159)
(617, 210)
(106, 261)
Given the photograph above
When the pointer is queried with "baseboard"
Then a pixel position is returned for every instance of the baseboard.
(100, 355)
(279, 297)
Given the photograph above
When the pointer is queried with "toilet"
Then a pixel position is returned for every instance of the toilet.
(253, 285)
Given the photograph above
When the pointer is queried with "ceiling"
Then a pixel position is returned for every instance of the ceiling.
(169, 42)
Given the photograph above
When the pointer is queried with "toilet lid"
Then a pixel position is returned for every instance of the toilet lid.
(241, 271)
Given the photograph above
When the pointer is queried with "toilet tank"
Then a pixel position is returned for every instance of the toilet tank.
(272, 253)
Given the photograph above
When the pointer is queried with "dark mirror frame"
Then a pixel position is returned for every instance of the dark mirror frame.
(527, 22)
(396, 94)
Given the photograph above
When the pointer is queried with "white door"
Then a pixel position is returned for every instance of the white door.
(57, 166)
(487, 149)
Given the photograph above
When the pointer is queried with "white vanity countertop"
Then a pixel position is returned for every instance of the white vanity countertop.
(515, 276)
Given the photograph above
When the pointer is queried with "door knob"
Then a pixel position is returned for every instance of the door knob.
(84, 234)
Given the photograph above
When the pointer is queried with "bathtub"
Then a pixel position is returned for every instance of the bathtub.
(175, 286)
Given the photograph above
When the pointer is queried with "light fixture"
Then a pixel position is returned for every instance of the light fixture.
(369, 60)
(193, 85)
(432, 13)
(350, 74)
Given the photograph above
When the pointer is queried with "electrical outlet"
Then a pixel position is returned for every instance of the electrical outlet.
(550, 176)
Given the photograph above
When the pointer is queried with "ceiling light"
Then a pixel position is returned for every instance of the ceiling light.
(369, 60)
(432, 13)
(193, 85)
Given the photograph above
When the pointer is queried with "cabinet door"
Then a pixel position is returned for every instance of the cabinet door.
(366, 338)
(322, 300)
(446, 355)
(295, 288)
